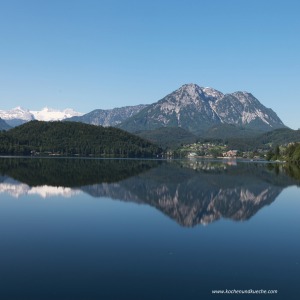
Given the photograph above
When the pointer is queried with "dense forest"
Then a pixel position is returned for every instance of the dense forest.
(72, 138)
(266, 140)
(291, 153)
(234, 137)
(168, 137)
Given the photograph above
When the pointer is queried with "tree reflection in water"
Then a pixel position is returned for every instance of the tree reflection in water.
(190, 192)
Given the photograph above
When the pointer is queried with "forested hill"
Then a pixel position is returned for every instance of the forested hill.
(72, 138)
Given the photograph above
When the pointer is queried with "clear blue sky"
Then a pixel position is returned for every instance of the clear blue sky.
(104, 54)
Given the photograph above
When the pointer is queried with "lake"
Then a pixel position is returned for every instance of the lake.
(147, 229)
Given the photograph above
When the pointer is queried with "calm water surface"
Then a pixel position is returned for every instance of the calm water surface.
(133, 229)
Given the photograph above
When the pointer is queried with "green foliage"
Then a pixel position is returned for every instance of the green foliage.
(168, 137)
(216, 153)
(270, 155)
(229, 131)
(294, 153)
(293, 170)
(235, 136)
(274, 154)
(72, 138)
(291, 153)
(266, 140)
(277, 151)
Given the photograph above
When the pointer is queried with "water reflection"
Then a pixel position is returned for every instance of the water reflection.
(190, 192)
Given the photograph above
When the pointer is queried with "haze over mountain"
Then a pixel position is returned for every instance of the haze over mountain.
(4, 125)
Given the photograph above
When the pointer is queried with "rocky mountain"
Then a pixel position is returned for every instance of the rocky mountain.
(197, 109)
(108, 117)
(19, 115)
(242, 108)
(4, 125)
(191, 107)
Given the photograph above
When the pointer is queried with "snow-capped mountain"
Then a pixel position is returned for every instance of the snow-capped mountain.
(50, 114)
(16, 116)
(109, 117)
(20, 115)
(190, 107)
(198, 108)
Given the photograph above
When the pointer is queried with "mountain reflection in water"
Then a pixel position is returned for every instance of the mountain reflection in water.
(190, 192)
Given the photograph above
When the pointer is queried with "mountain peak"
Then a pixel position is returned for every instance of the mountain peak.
(16, 113)
(191, 107)
(212, 93)
(108, 117)
(245, 98)
(190, 86)
(206, 92)
(50, 114)
(191, 91)
(242, 94)
(20, 115)
(196, 109)
(19, 108)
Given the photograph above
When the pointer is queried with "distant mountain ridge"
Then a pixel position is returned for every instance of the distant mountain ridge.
(19, 115)
(4, 125)
(196, 109)
(202, 111)
(108, 117)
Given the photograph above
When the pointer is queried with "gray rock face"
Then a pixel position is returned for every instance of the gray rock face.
(197, 108)
(242, 108)
(190, 107)
(109, 117)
